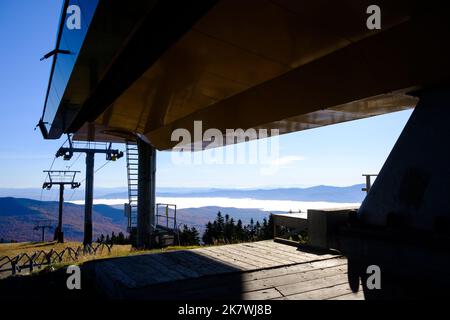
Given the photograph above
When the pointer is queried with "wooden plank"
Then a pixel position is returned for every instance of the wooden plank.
(286, 251)
(241, 254)
(323, 293)
(109, 273)
(293, 279)
(217, 271)
(262, 274)
(250, 257)
(232, 254)
(274, 246)
(172, 264)
(233, 285)
(146, 271)
(219, 286)
(207, 264)
(265, 294)
(234, 261)
(350, 296)
(214, 259)
(264, 253)
(271, 254)
(295, 250)
(190, 263)
(314, 284)
(161, 266)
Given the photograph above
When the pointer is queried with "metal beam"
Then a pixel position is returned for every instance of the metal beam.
(60, 178)
(89, 196)
(59, 235)
(67, 153)
(146, 193)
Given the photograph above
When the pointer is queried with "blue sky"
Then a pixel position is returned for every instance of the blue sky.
(333, 155)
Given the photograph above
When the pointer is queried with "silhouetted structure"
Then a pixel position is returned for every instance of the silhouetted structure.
(42, 225)
(216, 62)
(60, 178)
(67, 153)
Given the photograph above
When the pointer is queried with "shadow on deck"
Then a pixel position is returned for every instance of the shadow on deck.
(249, 271)
(259, 270)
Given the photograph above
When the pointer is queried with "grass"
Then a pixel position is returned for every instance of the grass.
(14, 249)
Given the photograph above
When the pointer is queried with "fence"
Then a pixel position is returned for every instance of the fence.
(29, 262)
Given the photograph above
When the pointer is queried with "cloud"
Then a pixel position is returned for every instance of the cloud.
(280, 163)
(286, 160)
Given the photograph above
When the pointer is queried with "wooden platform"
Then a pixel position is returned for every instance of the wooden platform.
(258, 270)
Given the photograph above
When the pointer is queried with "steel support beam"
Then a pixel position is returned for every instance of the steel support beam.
(59, 235)
(146, 193)
(89, 195)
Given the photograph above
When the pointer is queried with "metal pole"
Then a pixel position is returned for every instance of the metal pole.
(43, 234)
(368, 184)
(59, 233)
(88, 198)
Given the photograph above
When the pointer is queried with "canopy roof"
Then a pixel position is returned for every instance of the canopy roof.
(149, 67)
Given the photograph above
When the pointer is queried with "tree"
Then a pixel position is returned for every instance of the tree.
(219, 228)
(195, 237)
(224, 230)
(240, 232)
(208, 234)
(229, 230)
(189, 236)
(121, 238)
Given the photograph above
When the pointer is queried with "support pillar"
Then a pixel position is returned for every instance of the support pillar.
(404, 222)
(146, 193)
(59, 235)
(89, 195)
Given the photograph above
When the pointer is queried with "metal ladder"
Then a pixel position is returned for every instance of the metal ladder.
(132, 174)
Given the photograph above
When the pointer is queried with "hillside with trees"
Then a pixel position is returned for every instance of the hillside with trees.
(223, 230)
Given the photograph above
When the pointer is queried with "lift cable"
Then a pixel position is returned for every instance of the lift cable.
(96, 170)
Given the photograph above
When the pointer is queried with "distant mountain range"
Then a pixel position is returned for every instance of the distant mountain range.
(20, 209)
(317, 193)
(351, 194)
(18, 217)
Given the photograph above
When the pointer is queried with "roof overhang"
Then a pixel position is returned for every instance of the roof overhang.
(280, 64)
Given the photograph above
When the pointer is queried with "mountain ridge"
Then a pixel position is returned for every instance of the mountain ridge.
(316, 193)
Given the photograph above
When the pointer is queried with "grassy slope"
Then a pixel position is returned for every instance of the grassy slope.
(13, 249)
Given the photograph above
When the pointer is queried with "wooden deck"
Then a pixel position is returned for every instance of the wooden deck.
(258, 270)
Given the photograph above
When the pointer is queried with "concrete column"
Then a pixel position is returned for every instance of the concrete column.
(412, 187)
(146, 193)
(89, 195)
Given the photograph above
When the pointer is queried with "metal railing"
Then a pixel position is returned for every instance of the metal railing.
(40, 258)
(168, 208)
(368, 182)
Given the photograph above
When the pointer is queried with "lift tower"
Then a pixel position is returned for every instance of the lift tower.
(60, 178)
(42, 225)
(67, 154)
